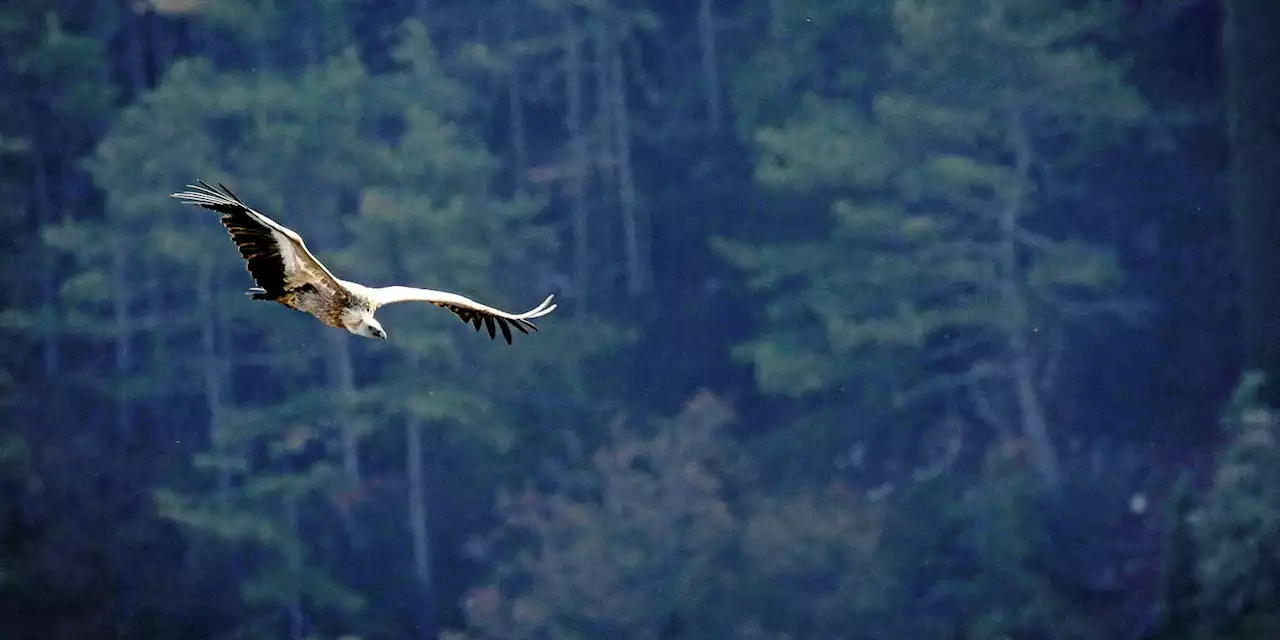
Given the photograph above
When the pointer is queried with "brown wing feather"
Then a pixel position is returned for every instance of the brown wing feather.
(261, 253)
(258, 239)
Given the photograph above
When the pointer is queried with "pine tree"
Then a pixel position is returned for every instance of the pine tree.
(390, 188)
(1179, 592)
(1235, 530)
(1252, 102)
(618, 544)
(225, 127)
(55, 100)
(937, 270)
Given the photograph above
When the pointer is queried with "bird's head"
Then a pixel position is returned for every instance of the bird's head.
(369, 328)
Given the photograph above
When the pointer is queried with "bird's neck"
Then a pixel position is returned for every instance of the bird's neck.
(361, 296)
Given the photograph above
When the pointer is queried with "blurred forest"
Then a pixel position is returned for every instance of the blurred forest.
(879, 319)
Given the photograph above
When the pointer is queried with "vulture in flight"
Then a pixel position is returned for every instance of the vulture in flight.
(286, 272)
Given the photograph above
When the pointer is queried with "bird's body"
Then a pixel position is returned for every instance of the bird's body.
(329, 308)
(287, 273)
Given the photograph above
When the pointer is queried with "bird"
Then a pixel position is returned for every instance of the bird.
(286, 272)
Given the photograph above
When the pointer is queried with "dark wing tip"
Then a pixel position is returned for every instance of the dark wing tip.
(229, 193)
(506, 330)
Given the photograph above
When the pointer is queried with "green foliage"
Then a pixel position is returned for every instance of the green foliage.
(892, 139)
(1238, 529)
(811, 564)
(931, 259)
(15, 481)
(968, 553)
(74, 99)
(275, 34)
(1243, 408)
(73, 63)
(619, 544)
(1178, 603)
(642, 536)
(253, 516)
(642, 532)
(387, 186)
(1251, 105)
(806, 49)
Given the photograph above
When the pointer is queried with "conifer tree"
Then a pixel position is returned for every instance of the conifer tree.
(1252, 57)
(934, 271)
(379, 174)
(1236, 537)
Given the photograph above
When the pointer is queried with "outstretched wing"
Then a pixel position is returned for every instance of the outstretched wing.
(276, 256)
(467, 309)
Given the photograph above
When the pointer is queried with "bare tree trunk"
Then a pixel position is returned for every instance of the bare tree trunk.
(123, 338)
(48, 283)
(343, 380)
(515, 113)
(577, 161)
(158, 362)
(266, 57)
(602, 157)
(635, 233)
(119, 257)
(1034, 424)
(133, 52)
(1252, 56)
(297, 617)
(710, 67)
(775, 18)
(419, 527)
(417, 504)
(163, 43)
(675, 499)
(213, 369)
(1021, 360)
(312, 35)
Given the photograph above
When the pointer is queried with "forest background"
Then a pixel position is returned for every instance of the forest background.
(879, 319)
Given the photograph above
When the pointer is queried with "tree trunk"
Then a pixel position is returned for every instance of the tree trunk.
(577, 161)
(635, 233)
(515, 113)
(294, 610)
(1252, 56)
(134, 50)
(158, 362)
(49, 315)
(603, 156)
(775, 19)
(163, 44)
(266, 57)
(123, 338)
(710, 67)
(312, 34)
(1022, 371)
(213, 370)
(119, 258)
(342, 379)
(419, 528)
